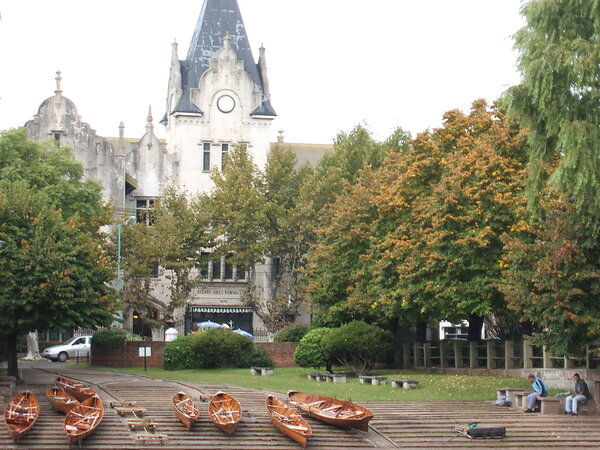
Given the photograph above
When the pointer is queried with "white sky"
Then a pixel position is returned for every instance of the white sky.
(332, 63)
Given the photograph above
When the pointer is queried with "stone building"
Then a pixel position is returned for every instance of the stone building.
(217, 97)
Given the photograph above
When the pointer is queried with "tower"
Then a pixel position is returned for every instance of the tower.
(218, 97)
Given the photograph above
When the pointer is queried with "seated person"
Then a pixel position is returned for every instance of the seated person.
(539, 390)
(582, 393)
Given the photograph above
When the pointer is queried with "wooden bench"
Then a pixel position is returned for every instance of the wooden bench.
(265, 371)
(371, 379)
(509, 393)
(406, 384)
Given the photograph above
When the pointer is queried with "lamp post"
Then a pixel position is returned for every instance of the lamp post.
(129, 220)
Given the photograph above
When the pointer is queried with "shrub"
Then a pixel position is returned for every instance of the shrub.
(293, 333)
(358, 345)
(256, 357)
(310, 352)
(212, 348)
(178, 354)
(112, 335)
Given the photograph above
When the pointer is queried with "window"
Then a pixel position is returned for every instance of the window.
(206, 156)
(216, 269)
(224, 151)
(142, 211)
(240, 272)
(204, 267)
(228, 269)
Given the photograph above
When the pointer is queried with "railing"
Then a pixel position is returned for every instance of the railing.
(491, 354)
(262, 335)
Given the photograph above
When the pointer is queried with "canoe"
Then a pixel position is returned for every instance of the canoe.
(225, 411)
(331, 410)
(20, 414)
(78, 390)
(185, 409)
(288, 421)
(61, 400)
(83, 419)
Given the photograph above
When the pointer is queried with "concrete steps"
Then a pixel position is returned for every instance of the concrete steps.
(396, 424)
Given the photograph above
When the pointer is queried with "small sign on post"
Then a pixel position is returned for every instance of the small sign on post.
(144, 352)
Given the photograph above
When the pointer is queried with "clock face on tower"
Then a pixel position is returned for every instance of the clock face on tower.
(225, 103)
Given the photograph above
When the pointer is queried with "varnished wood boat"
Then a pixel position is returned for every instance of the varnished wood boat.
(20, 414)
(185, 409)
(331, 410)
(288, 421)
(225, 411)
(78, 390)
(61, 400)
(83, 419)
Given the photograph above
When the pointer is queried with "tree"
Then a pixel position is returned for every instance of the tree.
(178, 233)
(559, 100)
(419, 239)
(54, 267)
(257, 215)
(552, 277)
(310, 351)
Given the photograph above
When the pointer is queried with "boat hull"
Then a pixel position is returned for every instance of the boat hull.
(185, 409)
(288, 422)
(20, 414)
(332, 411)
(61, 400)
(83, 419)
(225, 411)
(78, 390)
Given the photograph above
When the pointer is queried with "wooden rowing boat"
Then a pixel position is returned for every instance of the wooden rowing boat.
(61, 400)
(336, 412)
(83, 419)
(225, 411)
(185, 409)
(288, 421)
(20, 414)
(78, 390)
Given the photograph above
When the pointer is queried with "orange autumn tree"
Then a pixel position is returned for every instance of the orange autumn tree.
(435, 213)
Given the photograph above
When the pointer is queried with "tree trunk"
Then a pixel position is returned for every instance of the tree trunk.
(475, 326)
(421, 333)
(11, 346)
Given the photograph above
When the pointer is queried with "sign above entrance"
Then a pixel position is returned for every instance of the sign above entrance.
(207, 309)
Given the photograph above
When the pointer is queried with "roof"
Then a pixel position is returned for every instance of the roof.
(217, 19)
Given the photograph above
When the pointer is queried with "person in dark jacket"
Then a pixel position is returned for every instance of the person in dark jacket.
(581, 395)
(539, 390)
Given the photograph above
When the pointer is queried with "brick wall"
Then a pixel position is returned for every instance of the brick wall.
(282, 353)
(127, 354)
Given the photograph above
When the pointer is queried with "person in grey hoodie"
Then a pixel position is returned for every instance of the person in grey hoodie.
(582, 393)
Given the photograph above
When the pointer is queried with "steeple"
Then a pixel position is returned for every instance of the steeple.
(218, 20)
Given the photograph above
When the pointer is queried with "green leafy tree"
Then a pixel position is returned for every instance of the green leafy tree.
(258, 215)
(552, 277)
(54, 267)
(179, 231)
(559, 99)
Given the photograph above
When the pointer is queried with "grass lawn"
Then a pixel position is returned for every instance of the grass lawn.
(431, 386)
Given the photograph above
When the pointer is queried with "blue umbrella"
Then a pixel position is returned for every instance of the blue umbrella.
(243, 333)
(209, 324)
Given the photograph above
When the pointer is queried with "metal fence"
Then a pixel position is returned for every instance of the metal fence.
(262, 335)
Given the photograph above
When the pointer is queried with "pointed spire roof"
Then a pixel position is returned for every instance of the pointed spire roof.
(218, 19)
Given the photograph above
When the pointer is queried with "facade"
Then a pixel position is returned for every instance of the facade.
(217, 97)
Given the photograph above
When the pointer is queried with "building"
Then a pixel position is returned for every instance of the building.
(217, 97)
